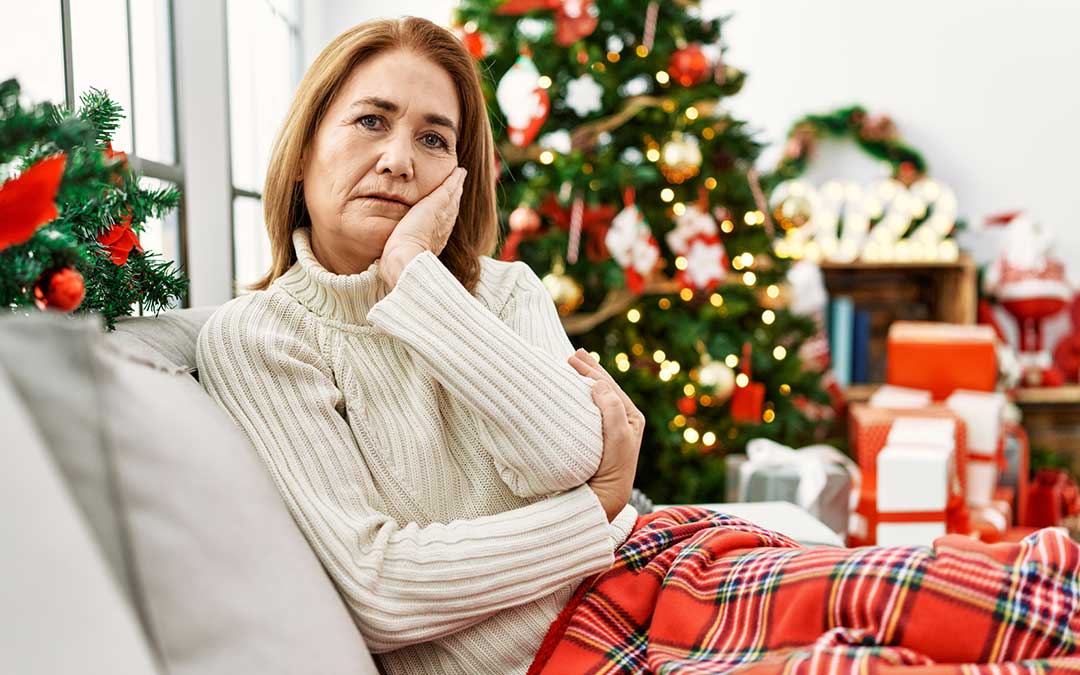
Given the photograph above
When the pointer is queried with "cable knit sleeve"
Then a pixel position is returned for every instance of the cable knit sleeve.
(544, 427)
(404, 583)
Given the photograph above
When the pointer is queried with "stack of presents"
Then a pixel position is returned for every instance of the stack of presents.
(936, 450)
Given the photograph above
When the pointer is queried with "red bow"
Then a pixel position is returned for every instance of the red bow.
(574, 19)
(120, 239)
(26, 202)
(595, 221)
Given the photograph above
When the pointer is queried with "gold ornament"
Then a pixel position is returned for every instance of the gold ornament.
(564, 289)
(680, 158)
(718, 376)
(793, 212)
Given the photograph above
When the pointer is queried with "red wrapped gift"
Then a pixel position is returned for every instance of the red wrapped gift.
(1052, 497)
(868, 431)
(941, 357)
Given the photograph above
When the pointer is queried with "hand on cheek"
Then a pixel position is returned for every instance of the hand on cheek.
(426, 226)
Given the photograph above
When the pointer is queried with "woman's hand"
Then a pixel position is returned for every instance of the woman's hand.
(623, 426)
(426, 227)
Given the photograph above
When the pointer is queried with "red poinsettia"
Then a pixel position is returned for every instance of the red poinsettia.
(28, 201)
(120, 239)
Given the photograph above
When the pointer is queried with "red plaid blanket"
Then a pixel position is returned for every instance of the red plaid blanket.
(694, 591)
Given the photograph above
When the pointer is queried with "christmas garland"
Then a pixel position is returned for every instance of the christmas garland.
(71, 211)
(875, 134)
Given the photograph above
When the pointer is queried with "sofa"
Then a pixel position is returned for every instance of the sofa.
(142, 533)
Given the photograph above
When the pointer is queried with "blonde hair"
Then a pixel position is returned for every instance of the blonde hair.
(476, 231)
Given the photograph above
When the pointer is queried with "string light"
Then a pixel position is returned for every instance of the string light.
(731, 360)
(691, 435)
(769, 416)
(642, 51)
(680, 262)
(679, 420)
(662, 77)
(547, 157)
(749, 218)
(652, 154)
(716, 299)
(709, 438)
(688, 389)
(742, 379)
(707, 133)
(613, 57)
(543, 82)
(668, 105)
(595, 356)
(664, 303)
(710, 183)
(686, 294)
(785, 389)
(727, 226)
(768, 317)
(674, 367)
(779, 353)
(659, 356)
(737, 262)
(772, 291)
(706, 400)
(638, 349)
(691, 113)
(747, 259)
(665, 375)
(633, 316)
(667, 194)
(749, 278)
(599, 67)
(679, 208)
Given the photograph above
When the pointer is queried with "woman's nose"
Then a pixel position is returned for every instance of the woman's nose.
(396, 157)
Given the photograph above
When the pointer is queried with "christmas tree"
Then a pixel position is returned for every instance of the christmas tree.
(629, 189)
(71, 211)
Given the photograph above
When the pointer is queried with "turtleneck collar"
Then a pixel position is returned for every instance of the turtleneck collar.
(344, 297)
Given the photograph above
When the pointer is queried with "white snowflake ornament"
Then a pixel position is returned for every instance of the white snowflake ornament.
(583, 95)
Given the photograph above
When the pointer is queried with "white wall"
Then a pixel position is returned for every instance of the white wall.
(987, 90)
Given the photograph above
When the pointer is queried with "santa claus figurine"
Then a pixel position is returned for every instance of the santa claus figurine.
(1031, 286)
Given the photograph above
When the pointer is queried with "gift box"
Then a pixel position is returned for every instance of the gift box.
(870, 429)
(817, 478)
(990, 523)
(1052, 497)
(982, 415)
(941, 357)
(916, 481)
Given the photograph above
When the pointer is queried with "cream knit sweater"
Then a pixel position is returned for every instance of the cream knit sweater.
(432, 445)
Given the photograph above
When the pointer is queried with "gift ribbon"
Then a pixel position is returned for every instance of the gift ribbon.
(810, 465)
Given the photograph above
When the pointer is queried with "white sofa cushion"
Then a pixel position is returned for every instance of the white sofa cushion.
(225, 581)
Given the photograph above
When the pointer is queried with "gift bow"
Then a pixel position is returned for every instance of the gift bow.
(809, 463)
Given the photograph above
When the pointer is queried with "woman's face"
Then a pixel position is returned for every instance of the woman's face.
(388, 139)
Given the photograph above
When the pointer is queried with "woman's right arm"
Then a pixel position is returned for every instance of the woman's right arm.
(404, 583)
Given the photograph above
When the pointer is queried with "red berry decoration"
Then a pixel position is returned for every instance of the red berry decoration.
(689, 66)
(62, 290)
(687, 405)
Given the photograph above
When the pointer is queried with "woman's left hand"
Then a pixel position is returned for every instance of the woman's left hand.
(426, 227)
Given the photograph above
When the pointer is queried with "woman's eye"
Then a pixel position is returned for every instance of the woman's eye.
(369, 121)
(433, 140)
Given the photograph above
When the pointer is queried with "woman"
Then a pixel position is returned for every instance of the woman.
(455, 465)
(459, 469)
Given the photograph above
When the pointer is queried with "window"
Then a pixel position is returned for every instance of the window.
(62, 48)
(264, 69)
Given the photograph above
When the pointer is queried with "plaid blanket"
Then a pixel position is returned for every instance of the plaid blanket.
(694, 591)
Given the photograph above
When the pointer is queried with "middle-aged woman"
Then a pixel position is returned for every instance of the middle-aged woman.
(417, 402)
(459, 469)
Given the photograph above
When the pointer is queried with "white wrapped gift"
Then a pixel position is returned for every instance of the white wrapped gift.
(982, 412)
(916, 474)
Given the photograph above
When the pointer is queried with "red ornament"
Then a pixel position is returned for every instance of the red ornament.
(120, 239)
(747, 400)
(574, 19)
(689, 66)
(27, 202)
(475, 42)
(62, 290)
(595, 221)
(687, 405)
